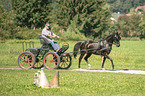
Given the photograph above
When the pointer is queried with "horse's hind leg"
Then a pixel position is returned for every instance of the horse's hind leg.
(86, 59)
(80, 58)
(103, 61)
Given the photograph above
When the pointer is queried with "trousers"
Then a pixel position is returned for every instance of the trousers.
(52, 42)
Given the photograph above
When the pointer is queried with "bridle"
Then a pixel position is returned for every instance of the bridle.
(115, 37)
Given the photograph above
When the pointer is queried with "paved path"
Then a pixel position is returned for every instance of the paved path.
(115, 71)
(97, 70)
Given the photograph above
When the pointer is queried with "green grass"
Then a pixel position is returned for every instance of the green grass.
(130, 55)
(20, 83)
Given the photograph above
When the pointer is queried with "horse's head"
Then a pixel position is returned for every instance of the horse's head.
(117, 39)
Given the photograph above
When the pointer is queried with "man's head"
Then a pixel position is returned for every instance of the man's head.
(47, 26)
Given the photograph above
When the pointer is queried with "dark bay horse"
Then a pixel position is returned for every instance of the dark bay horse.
(102, 48)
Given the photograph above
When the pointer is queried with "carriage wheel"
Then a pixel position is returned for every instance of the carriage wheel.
(65, 61)
(38, 63)
(51, 60)
(26, 60)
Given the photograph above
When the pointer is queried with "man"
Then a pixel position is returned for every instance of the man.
(48, 35)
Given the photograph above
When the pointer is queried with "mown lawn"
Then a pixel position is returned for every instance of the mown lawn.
(19, 82)
(130, 55)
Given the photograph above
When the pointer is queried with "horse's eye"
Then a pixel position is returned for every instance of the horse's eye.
(116, 39)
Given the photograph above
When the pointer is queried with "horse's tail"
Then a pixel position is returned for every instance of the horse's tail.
(76, 49)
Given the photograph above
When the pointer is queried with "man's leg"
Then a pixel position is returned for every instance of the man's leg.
(47, 40)
(55, 45)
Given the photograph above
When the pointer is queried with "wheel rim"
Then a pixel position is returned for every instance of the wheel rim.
(38, 63)
(51, 61)
(26, 60)
(65, 62)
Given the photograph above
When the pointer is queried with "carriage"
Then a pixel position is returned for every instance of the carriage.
(44, 56)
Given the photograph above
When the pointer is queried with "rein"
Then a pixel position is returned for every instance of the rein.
(110, 43)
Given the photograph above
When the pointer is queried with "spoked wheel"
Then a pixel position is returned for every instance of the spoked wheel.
(51, 60)
(38, 63)
(65, 61)
(26, 60)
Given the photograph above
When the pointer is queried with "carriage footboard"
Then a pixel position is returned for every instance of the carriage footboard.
(65, 46)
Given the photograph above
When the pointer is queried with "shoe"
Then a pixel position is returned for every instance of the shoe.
(57, 50)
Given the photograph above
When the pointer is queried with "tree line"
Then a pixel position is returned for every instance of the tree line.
(88, 17)
(124, 6)
(132, 26)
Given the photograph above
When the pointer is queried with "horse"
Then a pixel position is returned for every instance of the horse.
(102, 48)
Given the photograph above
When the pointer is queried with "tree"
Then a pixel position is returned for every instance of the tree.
(142, 25)
(2, 20)
(6, 24)
(134, 22)
(6, 5)
(129, 25)
(123, 25)
(124, 6)
(32, 13)
(86, 16)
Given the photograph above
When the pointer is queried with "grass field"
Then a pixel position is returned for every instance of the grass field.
(20, 83)
(130, 55)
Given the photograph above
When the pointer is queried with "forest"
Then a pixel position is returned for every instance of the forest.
(25, 19)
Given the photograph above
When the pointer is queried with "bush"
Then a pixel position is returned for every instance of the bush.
(25, 33)
(71, 35)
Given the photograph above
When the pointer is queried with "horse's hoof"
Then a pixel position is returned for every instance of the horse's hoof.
(112, 69)
(89, 65)
(103, 69)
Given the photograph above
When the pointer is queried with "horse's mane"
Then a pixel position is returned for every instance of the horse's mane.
(109, 36)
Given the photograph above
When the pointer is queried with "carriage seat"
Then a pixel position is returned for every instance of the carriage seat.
(43, 40)
(45, 45)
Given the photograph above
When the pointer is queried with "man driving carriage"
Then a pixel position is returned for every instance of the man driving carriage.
(48, 35)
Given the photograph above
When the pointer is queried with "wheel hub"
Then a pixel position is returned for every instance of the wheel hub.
(37, 59)
(26, 60)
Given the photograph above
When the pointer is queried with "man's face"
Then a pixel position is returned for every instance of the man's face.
(47, 27)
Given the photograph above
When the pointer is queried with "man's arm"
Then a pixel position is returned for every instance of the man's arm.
(53, 36)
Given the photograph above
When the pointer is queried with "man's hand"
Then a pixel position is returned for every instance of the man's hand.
(58, 37)
(54, 36)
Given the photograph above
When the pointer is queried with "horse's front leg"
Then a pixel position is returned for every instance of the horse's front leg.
(111, 61)
(103, 61)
